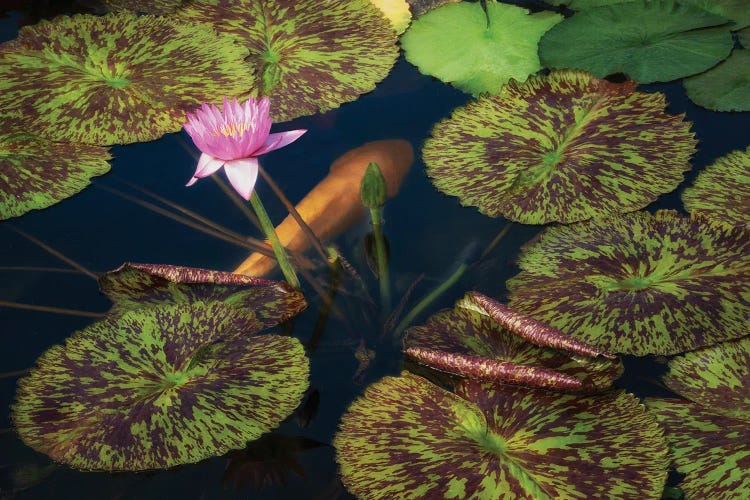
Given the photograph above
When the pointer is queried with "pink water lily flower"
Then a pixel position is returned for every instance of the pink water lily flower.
(233, 138)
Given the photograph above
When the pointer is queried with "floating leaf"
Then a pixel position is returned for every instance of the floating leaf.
(161, 384)
(397, 12)
(722, 190)
(639, 283)
(156, 7)
(713, 451)
(307, 55)
(408, 438)
(119, 78)
(36, 173)
(564, 147)
(649, 41)
(744, 38)
(725, 87)
(483, 339)
(419, 7)
(477, 51)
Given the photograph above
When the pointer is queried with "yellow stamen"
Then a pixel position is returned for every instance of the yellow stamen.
(233, 128)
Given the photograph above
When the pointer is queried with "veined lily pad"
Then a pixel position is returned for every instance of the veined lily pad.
(564, 147)
(639, 283)
(156, 7)
(397, 12)
(722, 190)
(119, 78)
(307, 55)
(725, 87)
(744, 37)
(483, 339)
(161, 384)
(407, 438)
(476, 50)
(36, 173)
(649, 41)
(713, 451)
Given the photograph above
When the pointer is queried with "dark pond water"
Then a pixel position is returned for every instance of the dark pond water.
(429, 235)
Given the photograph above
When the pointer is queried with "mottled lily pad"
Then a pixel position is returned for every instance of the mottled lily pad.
(156, 7)
(725, 87)
(483, 339)
(397, 12)
(648, 41)
(564, 147)
(639, 283)
(478, 51)
(118, 78)
(307, 55)
(713, 451)
(722, 190)
(36, 173)
(407, 438)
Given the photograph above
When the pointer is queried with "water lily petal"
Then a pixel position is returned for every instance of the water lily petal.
(279, 140)
(207, 165)
(242, 174)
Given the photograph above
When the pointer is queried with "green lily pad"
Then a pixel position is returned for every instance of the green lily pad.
(717, 377)
(156, 7)
(477, 51)
(483, 339)
(408, 438)
(36, 173)
(648, 41)
(564, 147)
(744, 37)
(306, 55)
(722, 190)
(725, 87)
(713, 451)
(118, 78)
(639, 283)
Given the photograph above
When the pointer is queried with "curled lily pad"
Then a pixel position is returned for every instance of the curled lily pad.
(118, 78)
(36, 173)
(408, 438)
(639, 283)
(478, 51)
(307, 55)
(564, 147)
(648, 41)
(483, 339)
(397, 12)
(713, 451)
(722, 190)
(156, 7)
(725, 87)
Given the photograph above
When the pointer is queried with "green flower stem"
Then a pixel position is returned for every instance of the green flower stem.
(382, 258)
(278, 248)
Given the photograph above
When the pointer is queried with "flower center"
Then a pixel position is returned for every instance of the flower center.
(232, 129)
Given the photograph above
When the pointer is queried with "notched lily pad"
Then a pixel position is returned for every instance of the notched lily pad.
(307, 55)
(478, 51)
(722, 190)
(639, 283)
(484, 340)
(564, 147)
(118, 78)
(648, 41)
(725, 87)
(408, 438)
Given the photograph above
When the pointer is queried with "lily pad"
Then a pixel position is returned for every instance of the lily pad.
(156, 7)
(639, 283)
(483, 339)
(397, 12)
(306, 55)
(478, 51)
(408, 438)
(722, 190)
(744, 37)
(648, 41)
(713, 451)
(419, 7)
(564, 147)
(725, 87)
(36, 173)
(118, 78)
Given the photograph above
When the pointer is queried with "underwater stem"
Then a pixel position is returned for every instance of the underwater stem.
(278, 248)
(382, 258)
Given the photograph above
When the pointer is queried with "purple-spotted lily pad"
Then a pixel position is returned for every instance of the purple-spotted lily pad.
(396, 11)
(156, 7)
(639, 283)
(722, 190)
(36, 173)
(165, 382)
(477, 50)
(118, 78)
(306, 55)
(564, 147)
(485, 340)
(408, 438)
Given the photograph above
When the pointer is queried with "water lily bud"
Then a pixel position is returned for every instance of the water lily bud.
(373, 188)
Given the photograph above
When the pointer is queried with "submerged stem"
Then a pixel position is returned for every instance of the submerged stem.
(381, 255)
(278, 249)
